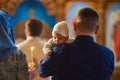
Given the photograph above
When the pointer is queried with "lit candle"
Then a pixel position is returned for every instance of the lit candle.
(32, 49)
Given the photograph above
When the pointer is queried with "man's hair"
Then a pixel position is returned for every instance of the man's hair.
(87, 19)
(34, 27)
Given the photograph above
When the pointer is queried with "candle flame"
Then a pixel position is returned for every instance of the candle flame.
(32, 48)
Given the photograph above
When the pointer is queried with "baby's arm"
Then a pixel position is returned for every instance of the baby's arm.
(47, 48)
(70, 40)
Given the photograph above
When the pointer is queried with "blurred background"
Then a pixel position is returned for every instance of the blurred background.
(52, 11)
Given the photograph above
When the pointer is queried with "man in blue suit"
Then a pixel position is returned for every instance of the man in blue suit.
(83, 59)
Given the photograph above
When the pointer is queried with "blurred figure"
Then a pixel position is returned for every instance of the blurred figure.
(13, 65)
(33, 29)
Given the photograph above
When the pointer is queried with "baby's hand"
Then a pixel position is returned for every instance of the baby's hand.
(48, 53)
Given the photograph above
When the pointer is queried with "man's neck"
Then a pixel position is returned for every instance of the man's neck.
(85, 33)
(33, 37)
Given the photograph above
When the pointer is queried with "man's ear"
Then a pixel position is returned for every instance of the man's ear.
(74, 20)
(96, 29)
(75, 26)
(26, 31)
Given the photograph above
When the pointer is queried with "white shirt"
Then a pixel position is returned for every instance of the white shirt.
(37, 43)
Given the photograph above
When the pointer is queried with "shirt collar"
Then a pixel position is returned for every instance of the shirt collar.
(31, 38)
(84, 38)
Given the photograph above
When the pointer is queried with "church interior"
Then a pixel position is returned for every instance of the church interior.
(53, 11)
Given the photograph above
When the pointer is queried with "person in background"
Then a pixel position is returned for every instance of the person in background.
(83, 59)
(13, 64)
(33, 29)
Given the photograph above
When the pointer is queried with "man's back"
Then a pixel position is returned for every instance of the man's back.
(26, 45)
(88, 60)
(81, 60)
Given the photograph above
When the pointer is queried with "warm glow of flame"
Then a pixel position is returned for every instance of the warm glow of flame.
(32, 48)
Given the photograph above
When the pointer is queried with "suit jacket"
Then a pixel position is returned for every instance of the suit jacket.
(83, 59)
(26, 45)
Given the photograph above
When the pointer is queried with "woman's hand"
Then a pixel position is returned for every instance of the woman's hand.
(32, 73)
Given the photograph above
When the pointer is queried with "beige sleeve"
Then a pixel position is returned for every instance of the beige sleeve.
(70, 40)
(47, 47)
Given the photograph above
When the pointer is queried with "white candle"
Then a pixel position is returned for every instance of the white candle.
(32, 49)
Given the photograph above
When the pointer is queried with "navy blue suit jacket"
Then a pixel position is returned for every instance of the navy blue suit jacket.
(83, 59)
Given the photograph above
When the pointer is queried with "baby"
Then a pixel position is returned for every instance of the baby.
(60, 35)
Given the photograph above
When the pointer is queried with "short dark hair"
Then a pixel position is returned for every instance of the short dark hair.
(34, 27)
(87, 19)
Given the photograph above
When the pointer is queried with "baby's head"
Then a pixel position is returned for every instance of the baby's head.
(60, 33)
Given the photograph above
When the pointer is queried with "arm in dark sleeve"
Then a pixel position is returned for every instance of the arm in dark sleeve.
(46, 67)
(50, 64)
